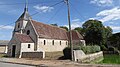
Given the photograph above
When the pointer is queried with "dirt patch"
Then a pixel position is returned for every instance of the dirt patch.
(54, 55)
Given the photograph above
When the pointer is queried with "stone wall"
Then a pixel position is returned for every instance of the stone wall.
(79, 56)
(32, 55)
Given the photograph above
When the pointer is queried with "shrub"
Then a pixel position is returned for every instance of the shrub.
(90, 49)
(103, 47)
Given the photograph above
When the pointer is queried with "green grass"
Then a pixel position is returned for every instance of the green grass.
(111, 59)
(2, 55)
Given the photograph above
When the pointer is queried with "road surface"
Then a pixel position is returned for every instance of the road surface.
(13, 65)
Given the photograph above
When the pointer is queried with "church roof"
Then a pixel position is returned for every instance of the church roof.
(49, 31)
(75, 35)
(23, 38)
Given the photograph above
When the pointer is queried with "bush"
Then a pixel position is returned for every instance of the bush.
(90, 49)
(103, 47)
(67, 53)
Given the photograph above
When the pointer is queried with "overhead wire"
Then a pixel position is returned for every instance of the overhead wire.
(1, 27)
(55, 13)
(49, 6)
(77, 11)
(24, 3)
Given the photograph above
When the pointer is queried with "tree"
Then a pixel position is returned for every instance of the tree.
(80, 30)
(94, 32)
(108, 33)
(114, 40)
(64, 28)
(54, 24)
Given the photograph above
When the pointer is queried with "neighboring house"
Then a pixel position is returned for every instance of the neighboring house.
(77, 38)
(32, 36)
(3, 46)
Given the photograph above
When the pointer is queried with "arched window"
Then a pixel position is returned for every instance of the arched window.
(28, 32)
(53, 42)
(44, 42)
(66, 43)
(18, 25)
(28, 45)
(60, 42)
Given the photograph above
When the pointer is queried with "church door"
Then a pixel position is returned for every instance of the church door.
(13, 50)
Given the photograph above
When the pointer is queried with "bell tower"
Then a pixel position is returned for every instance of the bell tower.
(22, 20)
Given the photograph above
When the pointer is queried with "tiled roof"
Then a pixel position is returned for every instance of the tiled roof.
(76, 35)
(23, 38)
(49, 31)
(4, 42)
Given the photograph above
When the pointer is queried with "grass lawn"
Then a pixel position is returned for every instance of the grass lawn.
(53, 55)
(2, 55)
(111, 59)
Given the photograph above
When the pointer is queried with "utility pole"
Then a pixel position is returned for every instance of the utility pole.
(70, 32)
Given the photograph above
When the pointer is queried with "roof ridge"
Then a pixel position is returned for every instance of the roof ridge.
(50, 25)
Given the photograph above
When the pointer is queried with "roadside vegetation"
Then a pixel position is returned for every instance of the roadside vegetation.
(99, 37)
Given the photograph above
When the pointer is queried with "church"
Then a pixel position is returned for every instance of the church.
(32, 36)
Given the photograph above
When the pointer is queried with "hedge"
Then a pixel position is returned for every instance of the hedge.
(90, 49)
(86, 49)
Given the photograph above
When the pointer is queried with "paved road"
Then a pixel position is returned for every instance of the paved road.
(13, 65)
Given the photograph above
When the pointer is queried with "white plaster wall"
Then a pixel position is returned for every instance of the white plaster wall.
(24, 47)
(24, 23)
(49, 47)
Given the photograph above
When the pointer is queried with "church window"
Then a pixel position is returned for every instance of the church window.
(28, 32)
(66, 43)
(53, 42)
(18, 25)
(60, 42)
(44, 42)
(28, 45)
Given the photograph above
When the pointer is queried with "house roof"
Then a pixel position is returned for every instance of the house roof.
(23, 38)
(4, 42)
(49, 31)
(75, 35)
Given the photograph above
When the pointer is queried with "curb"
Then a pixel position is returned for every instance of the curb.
(20, 63)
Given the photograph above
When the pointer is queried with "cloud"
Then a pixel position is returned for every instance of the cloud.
(43, 9)
(102, 2)
(75, 23)
(109, 15)
(115, 29)
(6, 27)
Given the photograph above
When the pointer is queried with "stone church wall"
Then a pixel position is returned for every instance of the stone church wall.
(48, 46)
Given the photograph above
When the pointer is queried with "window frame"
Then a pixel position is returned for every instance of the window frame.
(44, 42)
(28, 45)
(60, 42)
(28, 32)
(18, 25)
(53, 42)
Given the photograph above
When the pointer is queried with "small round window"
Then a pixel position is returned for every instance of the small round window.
(28, 32)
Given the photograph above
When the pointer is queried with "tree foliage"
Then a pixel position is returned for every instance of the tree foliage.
(94, 31)
(54, 24)
(80, 30)
(64, 28)
(114, 41)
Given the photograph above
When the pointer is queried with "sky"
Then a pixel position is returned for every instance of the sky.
(48, 12)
